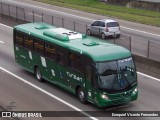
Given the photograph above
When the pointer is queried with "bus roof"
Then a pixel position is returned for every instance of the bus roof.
(94, 48)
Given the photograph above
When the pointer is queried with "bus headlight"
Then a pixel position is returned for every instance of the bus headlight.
(104, 97)
(135, 91)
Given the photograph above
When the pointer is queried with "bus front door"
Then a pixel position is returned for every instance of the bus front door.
(89, 83)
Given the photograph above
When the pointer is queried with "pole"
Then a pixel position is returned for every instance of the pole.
(130, 44)
(24, 14)
(52, 20)
(42, 17)
(16, 13)
(114, 38)
(33, 14)
(63, 22)
(9, 9)
(1, 9)
(74, 25)
(148, 48)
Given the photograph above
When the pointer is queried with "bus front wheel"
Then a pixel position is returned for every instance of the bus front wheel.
(81, 95)
(38, 74)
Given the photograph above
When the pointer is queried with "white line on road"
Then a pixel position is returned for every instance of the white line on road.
(48, 93)
(35, 15)
(148, 76)
(122, 38)
(1, 42)
(80, 17)
(137, 72)
(6, 26)
(140, 31)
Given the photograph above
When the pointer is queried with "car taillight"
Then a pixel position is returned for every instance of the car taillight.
(106, 29)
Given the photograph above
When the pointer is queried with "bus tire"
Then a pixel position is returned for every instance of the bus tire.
(81, 95)
(38, 74)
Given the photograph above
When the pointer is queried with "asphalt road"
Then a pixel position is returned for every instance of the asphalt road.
(26, 97)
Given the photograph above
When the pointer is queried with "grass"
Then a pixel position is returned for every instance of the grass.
(94, 6)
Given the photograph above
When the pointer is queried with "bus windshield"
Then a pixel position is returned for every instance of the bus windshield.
(116, 75)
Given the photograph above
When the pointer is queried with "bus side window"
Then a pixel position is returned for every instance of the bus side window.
(28, 42)
(61, 59)
(39, 47)
(91, 75)
(94, 77)
(50, 51)
(19, 38)
(75, 61)
(88, 72)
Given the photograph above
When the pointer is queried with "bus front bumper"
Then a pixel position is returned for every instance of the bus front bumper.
(120, 100)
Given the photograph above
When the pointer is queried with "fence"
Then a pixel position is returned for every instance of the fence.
(146, 48)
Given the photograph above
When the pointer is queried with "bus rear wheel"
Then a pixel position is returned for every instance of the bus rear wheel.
(81, 95)
(38, 74)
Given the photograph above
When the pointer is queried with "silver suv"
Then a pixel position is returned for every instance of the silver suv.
(104, 28)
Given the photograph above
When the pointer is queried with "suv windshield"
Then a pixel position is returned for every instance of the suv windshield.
(116, 75)
(112, 24)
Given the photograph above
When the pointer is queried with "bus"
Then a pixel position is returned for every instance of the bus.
(95, 71)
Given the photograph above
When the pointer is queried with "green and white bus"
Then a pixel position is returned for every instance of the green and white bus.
(94, 70)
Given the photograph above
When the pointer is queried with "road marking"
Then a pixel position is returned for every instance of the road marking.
(1, 42)
(35, 15)
(80, 17)
(48, 93)
(137, 72)
(6, 26)
(122, 38)
(148, 76)
(117, 107)
(140, 31)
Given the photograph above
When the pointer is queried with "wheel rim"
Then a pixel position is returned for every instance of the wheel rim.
(38, 73)
(81, 95)
(103, 36)
(89, 32)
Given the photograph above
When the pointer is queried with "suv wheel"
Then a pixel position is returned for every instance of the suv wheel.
(103, 36)
(118, 36)
(88, 32)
